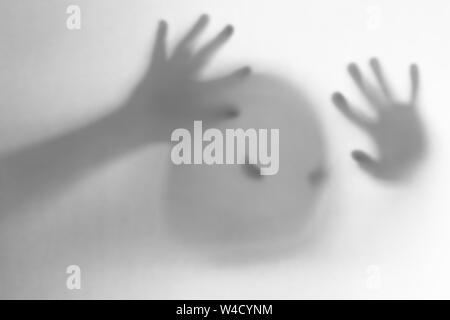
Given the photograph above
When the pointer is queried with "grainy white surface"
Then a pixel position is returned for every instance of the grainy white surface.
(53, 79)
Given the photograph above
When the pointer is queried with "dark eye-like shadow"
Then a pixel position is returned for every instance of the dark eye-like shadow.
(317, 176)
(253, 171)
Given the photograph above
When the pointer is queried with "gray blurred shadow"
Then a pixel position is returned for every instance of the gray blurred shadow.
(237, 216)
(397, 129)
(170, 95)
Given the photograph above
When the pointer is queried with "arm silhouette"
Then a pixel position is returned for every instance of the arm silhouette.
(169, 94)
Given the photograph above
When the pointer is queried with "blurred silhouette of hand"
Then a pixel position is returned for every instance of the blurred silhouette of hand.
(172, 86)
(397, 130)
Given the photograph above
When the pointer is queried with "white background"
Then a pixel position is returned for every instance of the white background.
(53, 79)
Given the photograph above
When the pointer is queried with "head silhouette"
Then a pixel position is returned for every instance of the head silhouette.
(233, 205)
